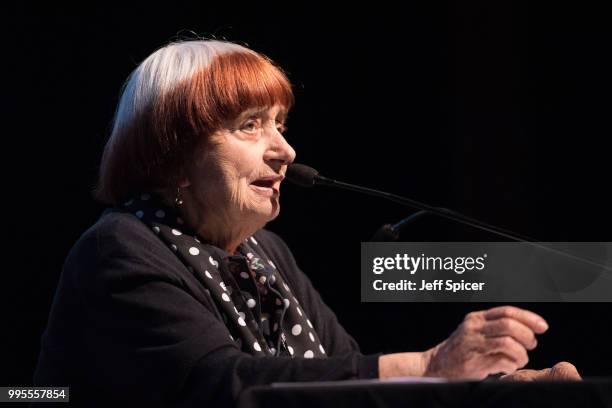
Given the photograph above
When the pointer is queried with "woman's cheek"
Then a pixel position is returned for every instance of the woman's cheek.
(244, 197)
(237, 195)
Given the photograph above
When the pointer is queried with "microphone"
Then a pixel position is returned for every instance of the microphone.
(306, 176)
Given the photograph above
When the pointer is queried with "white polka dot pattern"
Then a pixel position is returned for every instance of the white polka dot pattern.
(296, 330)
(213, 262)
(252, 323)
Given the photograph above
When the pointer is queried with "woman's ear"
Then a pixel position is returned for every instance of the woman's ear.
(182, 178)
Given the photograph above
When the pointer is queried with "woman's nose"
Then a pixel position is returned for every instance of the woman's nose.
(280, 149)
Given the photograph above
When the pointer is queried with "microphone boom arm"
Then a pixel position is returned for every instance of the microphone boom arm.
(309, 177)
(448, 214)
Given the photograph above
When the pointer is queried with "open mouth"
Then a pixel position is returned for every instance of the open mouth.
(267, 186)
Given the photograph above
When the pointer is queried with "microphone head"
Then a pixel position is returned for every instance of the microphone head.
(302, 175)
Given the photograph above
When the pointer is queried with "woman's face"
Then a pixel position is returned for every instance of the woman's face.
(236, 181)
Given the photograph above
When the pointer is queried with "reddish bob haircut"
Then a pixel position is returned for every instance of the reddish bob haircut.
(172, 102)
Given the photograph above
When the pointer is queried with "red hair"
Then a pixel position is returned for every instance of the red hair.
(149, 151)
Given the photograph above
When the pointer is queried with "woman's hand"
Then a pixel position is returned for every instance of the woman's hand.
(486, 342)
(562, 371)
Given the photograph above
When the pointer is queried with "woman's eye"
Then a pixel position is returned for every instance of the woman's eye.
(250, 126)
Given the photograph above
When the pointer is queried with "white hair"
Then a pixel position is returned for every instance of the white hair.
(162, 71)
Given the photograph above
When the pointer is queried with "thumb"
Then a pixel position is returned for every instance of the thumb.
(564, 371)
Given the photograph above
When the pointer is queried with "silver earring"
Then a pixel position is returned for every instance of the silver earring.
(178, 200)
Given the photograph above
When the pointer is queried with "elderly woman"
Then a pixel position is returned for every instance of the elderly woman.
(177, 296)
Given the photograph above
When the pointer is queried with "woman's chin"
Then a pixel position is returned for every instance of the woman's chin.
(273, 210)
(266, 211)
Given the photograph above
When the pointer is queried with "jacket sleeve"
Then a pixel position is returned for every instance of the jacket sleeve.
(151, 336)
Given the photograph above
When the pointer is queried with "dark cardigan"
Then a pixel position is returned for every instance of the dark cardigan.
(130, 324)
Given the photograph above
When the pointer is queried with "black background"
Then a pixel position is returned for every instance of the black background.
(498, 110)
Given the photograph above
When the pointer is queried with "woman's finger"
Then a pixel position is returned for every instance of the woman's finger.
(561, 371)
(499, 363)
(508, 346)
(564, 371)
(506, 326)
(532, 320)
